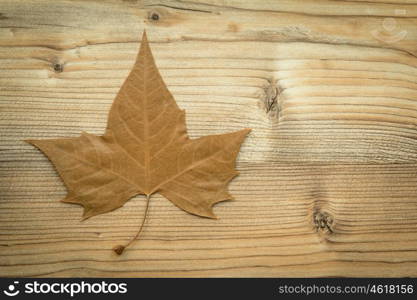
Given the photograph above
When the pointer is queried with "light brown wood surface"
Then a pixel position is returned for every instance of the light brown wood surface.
(328, 175)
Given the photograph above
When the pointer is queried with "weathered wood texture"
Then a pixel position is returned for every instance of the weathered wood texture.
(328, 183)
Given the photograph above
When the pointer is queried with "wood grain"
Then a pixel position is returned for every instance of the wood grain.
(327, 183)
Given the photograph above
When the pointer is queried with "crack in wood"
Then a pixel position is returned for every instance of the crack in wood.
(179, 8)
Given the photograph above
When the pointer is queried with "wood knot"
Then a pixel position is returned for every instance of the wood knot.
(58, 68)
(323, 222)
(271, 99)
(154, 16)
(119, 249)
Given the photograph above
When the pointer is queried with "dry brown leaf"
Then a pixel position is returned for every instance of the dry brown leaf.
(145, 150)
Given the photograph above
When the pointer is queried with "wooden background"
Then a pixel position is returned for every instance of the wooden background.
(328, 183)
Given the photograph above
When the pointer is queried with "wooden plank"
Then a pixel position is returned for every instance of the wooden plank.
(342, 218)
(328, 174)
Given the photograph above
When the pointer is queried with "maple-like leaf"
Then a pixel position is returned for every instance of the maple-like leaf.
(145, 150)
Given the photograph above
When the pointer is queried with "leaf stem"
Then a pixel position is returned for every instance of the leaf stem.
(120, 248)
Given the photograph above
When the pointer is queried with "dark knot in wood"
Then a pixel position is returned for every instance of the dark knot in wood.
(58, 68)
(154, 17)
(323, 221)
(271, 98)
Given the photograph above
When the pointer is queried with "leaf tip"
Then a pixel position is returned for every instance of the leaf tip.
(87, 214)
(241, 134)
(231, 198)
(119, 249)
(144, 39)
(70, 199)
(247, 130)
(83, 218)
(32, 142)
(210, 214)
